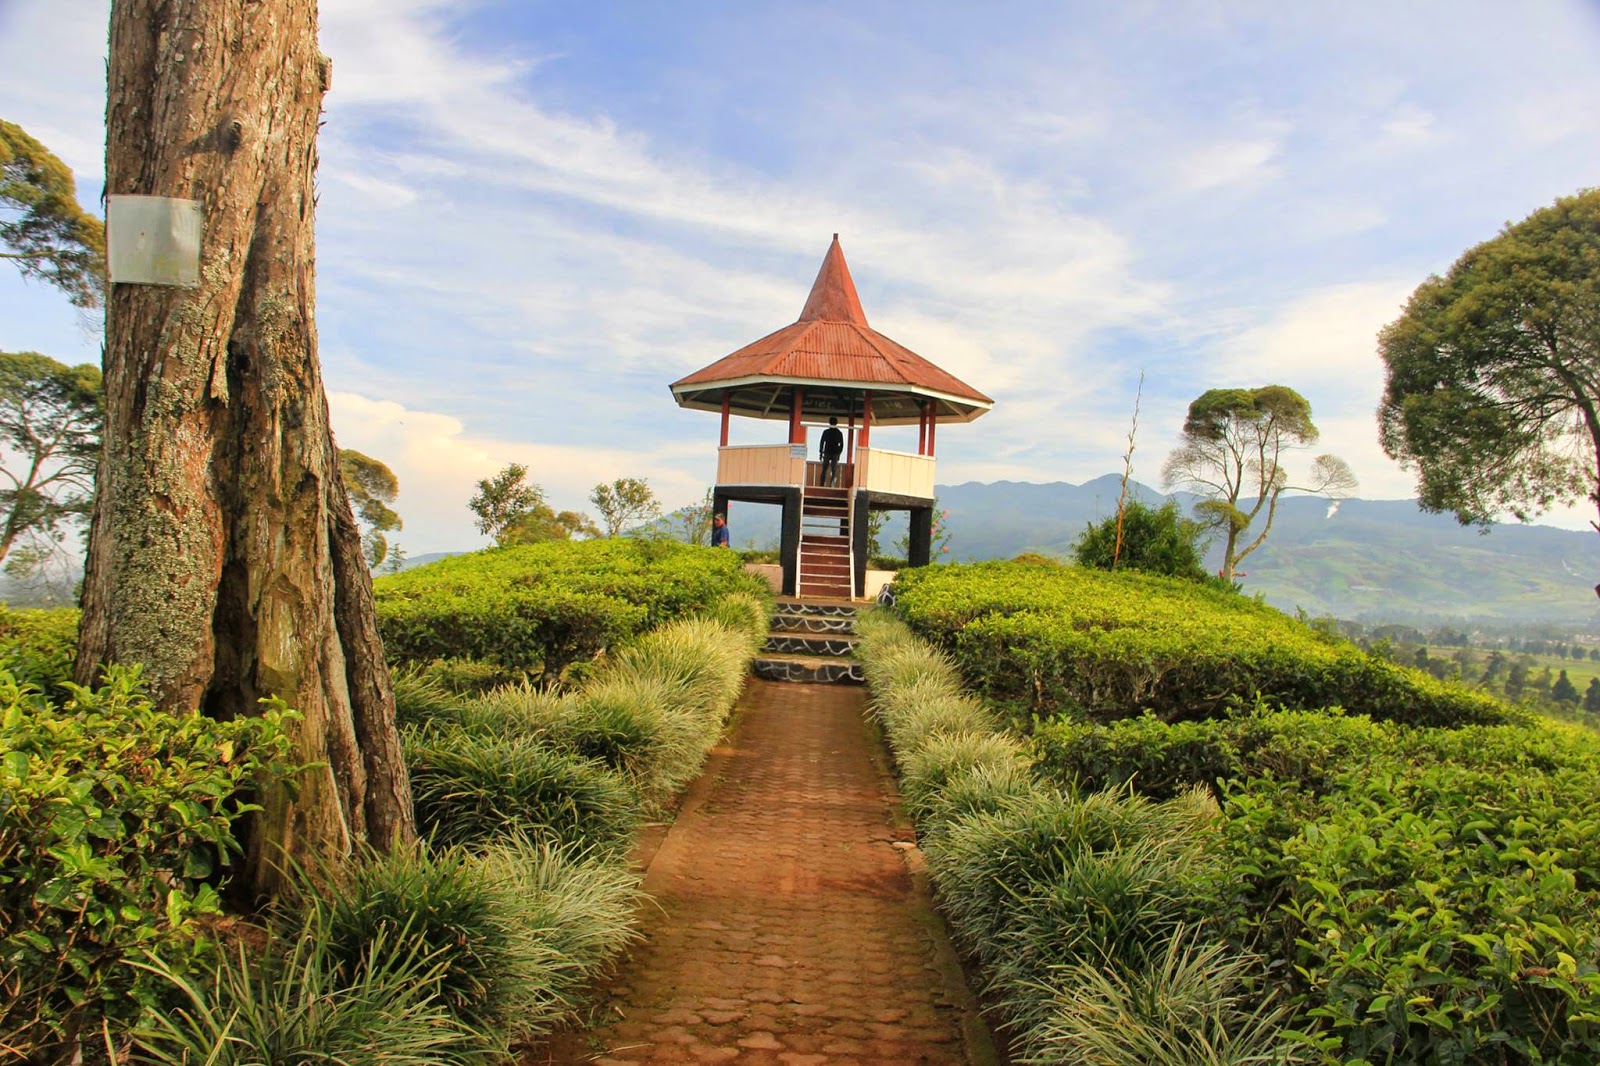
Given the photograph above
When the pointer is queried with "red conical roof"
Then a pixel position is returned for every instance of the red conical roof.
(832, 352)
(833, 295)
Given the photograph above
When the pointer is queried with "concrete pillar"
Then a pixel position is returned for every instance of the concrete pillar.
(921, 546)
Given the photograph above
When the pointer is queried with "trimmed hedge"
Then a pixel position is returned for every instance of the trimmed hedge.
(540, 608)
(1066, 641)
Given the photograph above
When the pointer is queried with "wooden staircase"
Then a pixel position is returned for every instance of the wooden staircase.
(811, 643)
(825, 566)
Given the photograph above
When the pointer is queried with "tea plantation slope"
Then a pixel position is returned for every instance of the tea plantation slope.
(540, 608)
(1050, 640)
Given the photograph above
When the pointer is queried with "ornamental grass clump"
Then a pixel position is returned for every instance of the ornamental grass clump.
(469, 788)
(984, 864)
(744, 613)
(912, 719)
(1196, 1003)
(703, 660)
(927, 769)
(641, 728)
(582, 907)
(292, 999)
(519, 928)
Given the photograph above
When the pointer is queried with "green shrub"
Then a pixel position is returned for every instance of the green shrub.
(469, 788)
(541, 608)
(1150, 756)
(1156, 540)
(289, 1002)
(115, 818)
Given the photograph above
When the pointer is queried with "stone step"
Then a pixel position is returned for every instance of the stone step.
(804, 606)
(820, 644)
(814, 623)
(808, 669)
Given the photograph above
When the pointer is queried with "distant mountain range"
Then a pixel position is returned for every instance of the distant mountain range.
(1370, 560)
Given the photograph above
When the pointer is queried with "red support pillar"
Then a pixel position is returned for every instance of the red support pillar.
(724, 418)
(797, 433)
(922, 429)
(866, 420)
(933, 424)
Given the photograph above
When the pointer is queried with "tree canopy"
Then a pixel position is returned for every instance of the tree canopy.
(1231, 453)
(372, 487)
(50, 423)
(42, 226)
(625, 500)
(1492, 392)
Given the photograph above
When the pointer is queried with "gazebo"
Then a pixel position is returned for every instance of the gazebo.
(830, 364)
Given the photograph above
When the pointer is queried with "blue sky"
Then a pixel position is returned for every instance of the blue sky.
(534, 216)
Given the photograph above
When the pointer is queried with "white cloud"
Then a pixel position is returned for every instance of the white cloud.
(1241, 162)
(438, 463)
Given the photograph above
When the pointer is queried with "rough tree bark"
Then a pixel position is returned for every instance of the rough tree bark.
(223, 553)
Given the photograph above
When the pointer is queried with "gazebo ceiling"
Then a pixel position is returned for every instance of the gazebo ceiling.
(835, 358)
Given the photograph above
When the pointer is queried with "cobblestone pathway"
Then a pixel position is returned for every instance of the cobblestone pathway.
(790, 930)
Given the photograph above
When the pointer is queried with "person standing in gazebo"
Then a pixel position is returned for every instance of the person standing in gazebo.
(831, 445)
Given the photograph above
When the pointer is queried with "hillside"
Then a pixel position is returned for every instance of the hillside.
(1372, 560)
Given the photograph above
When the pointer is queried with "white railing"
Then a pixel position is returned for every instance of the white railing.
(761, 464)
(901, 473)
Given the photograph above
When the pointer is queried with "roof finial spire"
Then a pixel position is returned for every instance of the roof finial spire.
(833, 295)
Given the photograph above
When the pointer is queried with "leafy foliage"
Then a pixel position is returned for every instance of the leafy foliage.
(1494, 370)
(49, 234)
(38, 647)
(116, 822)
(1420, 888)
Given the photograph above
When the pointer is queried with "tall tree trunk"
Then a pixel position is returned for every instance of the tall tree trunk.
(223, 553)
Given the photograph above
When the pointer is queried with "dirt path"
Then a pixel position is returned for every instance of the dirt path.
(791, 930)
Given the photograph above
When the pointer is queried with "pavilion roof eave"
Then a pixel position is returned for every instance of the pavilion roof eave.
(707, 396)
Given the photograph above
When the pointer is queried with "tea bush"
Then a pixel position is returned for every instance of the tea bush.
(540, 608)
(38, 648)
(1051, 641)
(115, 817)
